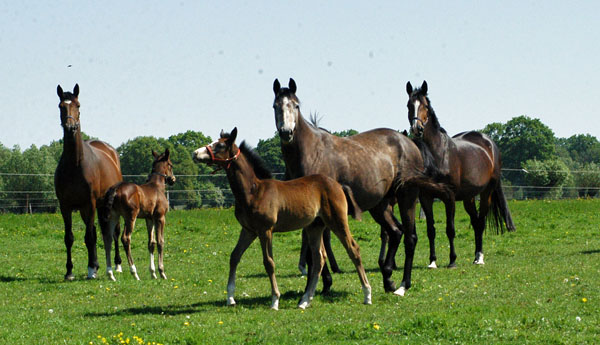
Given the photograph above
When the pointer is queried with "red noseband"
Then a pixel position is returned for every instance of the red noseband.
(226, 162)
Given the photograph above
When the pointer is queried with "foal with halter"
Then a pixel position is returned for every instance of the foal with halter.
(132, 201)
(264, 205)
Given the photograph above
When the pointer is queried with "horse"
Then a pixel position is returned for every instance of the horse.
(147, 201)
(85, 171)
(380, 167)
(470, 163)
(264, 206)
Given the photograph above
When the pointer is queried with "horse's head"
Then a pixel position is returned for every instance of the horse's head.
(287, 110)
(69, 108)
(162, 166)
(222, 151)
(418, 108)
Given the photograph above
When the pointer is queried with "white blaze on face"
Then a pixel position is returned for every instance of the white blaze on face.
(289, 115)
(416, 104)
(202, 153)
(67, 101)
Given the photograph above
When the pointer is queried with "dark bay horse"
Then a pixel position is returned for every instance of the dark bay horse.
(470, 164)
(264, 206)
(376, 166)
(85, 171)
(147, 201)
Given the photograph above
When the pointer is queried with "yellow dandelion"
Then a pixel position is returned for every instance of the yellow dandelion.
(175, 287)
(185, 250)
(584, 300)
(376, 326)
(210, 280)
(186, 323)
(439, 299)
(220, 322)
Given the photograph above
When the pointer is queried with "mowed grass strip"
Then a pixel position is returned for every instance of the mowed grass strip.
(540, 284)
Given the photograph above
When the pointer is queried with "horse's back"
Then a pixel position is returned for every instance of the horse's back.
(479, 157)
(103, 168)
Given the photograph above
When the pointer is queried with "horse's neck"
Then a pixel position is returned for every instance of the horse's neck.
(73, 148)
(297, 154)
(242, 180)
(157, 182)
(439, 144)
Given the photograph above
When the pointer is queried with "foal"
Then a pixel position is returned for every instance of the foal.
(132, 201)
(264, 206)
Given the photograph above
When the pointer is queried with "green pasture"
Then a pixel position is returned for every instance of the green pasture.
(540, 285)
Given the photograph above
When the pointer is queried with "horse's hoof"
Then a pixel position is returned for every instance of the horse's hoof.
(154, 276)
(69, 277)
(163, 276)
(302, 305)
(119, 269)
(275, 304)
(367, 293)
(478, 259)
(230, 302)
(389, 287)
(451, 266)
(400, 292)
(92, 273)
(111, 276)
(432, 265)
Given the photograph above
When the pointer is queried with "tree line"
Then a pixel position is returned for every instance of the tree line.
(531, 154)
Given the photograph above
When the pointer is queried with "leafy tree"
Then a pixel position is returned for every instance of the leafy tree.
(551, 174)
(270, 151)
(582, 148)
(587, 178)
(346, 133)
(521, 139)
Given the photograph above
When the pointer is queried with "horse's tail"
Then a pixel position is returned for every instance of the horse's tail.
(107, 203)
(500, 214)
(353, 208)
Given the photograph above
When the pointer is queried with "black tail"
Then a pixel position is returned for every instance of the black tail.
(107, 203)
(353, 208)
(500, 214)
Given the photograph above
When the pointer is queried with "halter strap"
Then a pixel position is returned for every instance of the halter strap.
(227, 161)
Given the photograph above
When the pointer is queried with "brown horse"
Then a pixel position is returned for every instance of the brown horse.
(264, 205)
(148, 201)
(379, 166)
(470, 163)
(85, 171)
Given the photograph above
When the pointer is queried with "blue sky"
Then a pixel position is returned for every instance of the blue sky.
(160, 68)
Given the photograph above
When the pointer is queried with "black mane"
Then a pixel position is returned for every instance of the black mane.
(259, 166)
(431, 113)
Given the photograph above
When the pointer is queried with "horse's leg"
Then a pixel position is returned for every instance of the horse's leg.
(246, 238)
(342, 231)
(160, 234)
(87, 215)
(383, 215)
(407, 201)
(107, 229)
(485, 199)
(116, 235)
(471, 209)
(129, 222)
(331, 258)
(303, 254)
(151, 245)
(449, 204)
(427, 207)
(266, 243)
(69, 239)
(314, 233)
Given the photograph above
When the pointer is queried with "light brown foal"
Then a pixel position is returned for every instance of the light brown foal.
(147, 201)
(264, 205)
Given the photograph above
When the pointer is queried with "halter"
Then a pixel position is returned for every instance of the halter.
(227, 161)
(75, 126)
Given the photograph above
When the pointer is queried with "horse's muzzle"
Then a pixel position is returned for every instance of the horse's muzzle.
(171, 180)
(286, 135)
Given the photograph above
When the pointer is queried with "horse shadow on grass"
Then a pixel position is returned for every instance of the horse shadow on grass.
(587, 252)
(208, 306)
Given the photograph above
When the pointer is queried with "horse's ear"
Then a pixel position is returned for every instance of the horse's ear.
(76, 90)
(60, 93)
(424, 87)
(232, 136)
(292, 85)
(167, 153)
(222, 134)
(276, 86)
(154, 154)
(409, 88)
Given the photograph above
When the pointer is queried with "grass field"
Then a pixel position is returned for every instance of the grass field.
(540, 285)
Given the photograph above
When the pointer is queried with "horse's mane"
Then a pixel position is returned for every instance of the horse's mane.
(431, 113)
(259, 166)
(314, 121)
(431, 168)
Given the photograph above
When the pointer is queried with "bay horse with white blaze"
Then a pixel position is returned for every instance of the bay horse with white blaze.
(380, 167)
(147, 201)
(264, 206)
(85, 171)
(470, 164)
